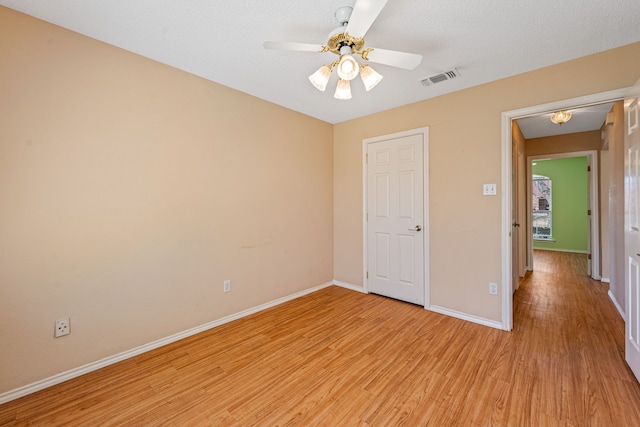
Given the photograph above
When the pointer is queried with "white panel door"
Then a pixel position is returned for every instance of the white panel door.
(395, 225)
(632, 231)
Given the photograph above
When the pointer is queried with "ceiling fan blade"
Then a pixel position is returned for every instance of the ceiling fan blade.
(363, 15)
(301, 47)
(395, 58)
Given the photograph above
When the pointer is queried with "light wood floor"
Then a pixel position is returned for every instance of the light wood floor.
(341, 358)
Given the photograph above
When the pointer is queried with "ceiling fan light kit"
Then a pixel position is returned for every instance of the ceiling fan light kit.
(347, 67)
(356, 20)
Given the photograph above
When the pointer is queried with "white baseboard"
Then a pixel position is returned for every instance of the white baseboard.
(618, 307)
(465, 316)
(437, 309)
(605, 280)
(349, 286)
(93, 366)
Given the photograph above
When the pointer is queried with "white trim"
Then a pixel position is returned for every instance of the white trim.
(365, 251)
(605, 280)
(507, 221)
(507, 117)
(349, 286)
(93, 366)
(424, 131)
(465, 316)
(618, 307)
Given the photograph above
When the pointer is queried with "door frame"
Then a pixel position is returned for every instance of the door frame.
(594, 203)
(631, 303)
(507, 220)
(424, 132)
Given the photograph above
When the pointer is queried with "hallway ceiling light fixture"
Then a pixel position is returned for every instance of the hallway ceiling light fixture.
(347, 41)
(561, 117)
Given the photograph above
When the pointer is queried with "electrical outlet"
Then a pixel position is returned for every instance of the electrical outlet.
(62, 327)
(493, 288)
(227, 285)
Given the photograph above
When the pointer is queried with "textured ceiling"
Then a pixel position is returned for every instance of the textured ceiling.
(582, 119)
(222, 41)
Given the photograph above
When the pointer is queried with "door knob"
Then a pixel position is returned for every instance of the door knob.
(418, 228)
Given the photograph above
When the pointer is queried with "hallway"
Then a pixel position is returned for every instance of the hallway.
(567, 320)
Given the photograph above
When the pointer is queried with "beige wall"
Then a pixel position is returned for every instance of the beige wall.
(465, 152)
(615, 136)
(130, 190)
(573, 142)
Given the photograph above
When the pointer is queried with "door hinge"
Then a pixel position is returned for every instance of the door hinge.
(588, 168)
(367, 274)
(366, 158)
(366, 217)
(588, 256)
(589, 212)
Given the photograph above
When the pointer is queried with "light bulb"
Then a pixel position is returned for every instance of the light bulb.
(347, 67)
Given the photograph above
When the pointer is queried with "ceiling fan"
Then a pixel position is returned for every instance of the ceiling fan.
(348, 40)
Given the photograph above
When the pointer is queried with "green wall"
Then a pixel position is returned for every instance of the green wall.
(568, 203)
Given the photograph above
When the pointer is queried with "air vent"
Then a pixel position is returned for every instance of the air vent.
(442, 77)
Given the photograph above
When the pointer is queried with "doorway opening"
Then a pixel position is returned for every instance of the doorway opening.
(510, 184)
(567, 219)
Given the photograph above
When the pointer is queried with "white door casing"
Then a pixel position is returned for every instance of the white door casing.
(396, 222)
(515, 241)
(632, 229)
(591, 208)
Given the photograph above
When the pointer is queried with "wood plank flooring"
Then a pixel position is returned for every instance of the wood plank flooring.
(341, 358)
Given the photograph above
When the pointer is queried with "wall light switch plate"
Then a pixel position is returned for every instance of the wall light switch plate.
(489, 190)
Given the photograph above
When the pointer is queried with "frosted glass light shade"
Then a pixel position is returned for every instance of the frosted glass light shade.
(560, 117)
(321, 77)
(348, 68)
(343, 90)
(369, 77)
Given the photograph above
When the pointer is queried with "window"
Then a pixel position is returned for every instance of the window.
(541, 206)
